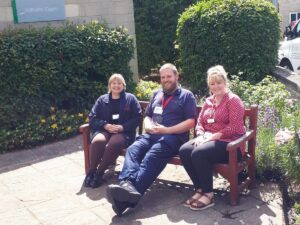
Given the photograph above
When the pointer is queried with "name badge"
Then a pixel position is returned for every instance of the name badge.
(158, 110)
(115, 116)
(210, 120)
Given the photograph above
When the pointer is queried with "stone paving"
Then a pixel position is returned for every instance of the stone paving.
(44, 186)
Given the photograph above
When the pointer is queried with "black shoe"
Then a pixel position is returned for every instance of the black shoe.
(88, 178)
(125, 192)
(97, 181)
(120, 207)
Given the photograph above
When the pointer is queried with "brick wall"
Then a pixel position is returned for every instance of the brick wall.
(285, 8)
(113, 12)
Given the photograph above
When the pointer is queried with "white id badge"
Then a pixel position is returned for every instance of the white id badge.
(210, 120)
(115, 116)
(158, 110)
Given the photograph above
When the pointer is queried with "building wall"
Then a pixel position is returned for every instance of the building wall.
(113, 12)
(285, 8)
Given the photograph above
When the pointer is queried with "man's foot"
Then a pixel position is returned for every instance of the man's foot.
(120, 207)
(125, 192)
(89, 177)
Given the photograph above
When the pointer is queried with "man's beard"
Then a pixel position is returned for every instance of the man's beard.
(171, 89)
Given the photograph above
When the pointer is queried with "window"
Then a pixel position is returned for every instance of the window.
(294, 16)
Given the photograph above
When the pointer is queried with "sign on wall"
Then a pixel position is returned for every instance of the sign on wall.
(38, 10)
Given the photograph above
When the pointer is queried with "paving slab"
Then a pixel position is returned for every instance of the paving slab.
(43, 185)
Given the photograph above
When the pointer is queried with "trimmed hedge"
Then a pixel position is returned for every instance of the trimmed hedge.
(66, 67)
(155, 25)
(242, 35)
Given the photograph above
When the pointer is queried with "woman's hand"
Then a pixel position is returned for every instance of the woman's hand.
(112, 128)
(199, 140)
(213, 137)
(119, 128)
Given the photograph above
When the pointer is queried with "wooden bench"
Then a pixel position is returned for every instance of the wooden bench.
(229, 171)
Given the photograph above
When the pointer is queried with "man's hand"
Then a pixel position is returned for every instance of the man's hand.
(156, 128)
(159, 129)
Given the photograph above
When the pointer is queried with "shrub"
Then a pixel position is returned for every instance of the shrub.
(269, 93)
(276, 112)
(241, 35)
(155, 25)
(297, 211)
(59, 124)
(145, 89)
(65, 67)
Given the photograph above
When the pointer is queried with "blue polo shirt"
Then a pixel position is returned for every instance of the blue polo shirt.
(181, 107)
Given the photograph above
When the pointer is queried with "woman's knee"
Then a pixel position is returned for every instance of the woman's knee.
(200, 153)
(116, 141)
(186, 150)
(99, 139)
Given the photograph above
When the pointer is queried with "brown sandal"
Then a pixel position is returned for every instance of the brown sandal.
(204, 202)
(197, 195)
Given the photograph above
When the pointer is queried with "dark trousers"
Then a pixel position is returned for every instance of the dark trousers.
(104, 150)
(145, 159)
(199, 161)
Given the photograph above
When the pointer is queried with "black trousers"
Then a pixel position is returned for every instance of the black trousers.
(199, 161)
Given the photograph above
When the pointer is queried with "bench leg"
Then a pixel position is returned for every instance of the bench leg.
(234, 192)
(251, 173)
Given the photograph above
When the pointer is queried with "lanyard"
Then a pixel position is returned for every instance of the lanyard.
(164, 104)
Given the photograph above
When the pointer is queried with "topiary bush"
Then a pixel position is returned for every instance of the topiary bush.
(241, 35)
(155, 26)
(65, 67)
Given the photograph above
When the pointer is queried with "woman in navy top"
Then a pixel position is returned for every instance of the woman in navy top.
(113, 121)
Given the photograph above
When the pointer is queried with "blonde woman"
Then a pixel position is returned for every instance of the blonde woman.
(220, 122)
(113, 120)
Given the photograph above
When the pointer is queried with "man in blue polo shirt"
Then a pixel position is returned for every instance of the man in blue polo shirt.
(170, 115)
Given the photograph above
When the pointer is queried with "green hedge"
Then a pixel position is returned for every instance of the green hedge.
(155, 25)
(241, 35)
(65, 67)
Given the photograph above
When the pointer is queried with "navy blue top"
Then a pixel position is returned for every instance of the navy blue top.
(180, 108)
(129, 114)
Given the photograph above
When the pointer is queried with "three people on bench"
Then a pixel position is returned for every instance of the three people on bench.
(170, 115)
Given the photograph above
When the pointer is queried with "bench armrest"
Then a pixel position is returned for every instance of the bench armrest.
(85, 131)
(240, 142)
(85, 128)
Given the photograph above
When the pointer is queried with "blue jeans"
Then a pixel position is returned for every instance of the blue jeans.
(146, 158)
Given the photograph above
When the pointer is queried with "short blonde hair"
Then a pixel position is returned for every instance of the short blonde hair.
(116, 76)
(217, 73)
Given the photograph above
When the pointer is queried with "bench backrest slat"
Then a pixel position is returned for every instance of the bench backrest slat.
(250, 117)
